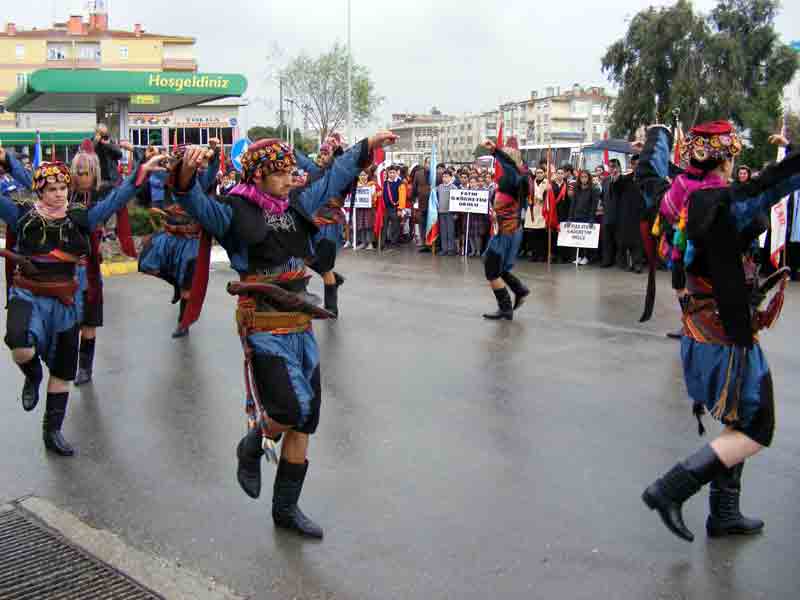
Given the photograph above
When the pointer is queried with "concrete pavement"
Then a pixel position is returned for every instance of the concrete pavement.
(456, 458)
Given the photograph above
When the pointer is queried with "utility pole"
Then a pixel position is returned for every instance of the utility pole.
(349, 79)
(280, 110)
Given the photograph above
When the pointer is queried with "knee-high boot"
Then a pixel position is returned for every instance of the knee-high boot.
(332, 298)
(33, 379)
(285, 512)
(51, 424)
(684, 480)
(181, 331)
(725, 517)
(85, 361)
(248, 471)
(504, 308)
(520, 290)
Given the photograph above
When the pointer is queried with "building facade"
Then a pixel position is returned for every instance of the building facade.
(417, 132)
(459, 137)
(579, 115)
(81, 43)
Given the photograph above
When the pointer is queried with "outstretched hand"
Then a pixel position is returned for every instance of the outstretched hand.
(155, 163)
(778, 140)
(192, 159)
(381, 139)
(489, 145)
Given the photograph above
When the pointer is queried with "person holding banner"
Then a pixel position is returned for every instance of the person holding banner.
(266, 227)
(364, 221)
(709, 227)
(509, 201)
(51, 237)
(584, 204)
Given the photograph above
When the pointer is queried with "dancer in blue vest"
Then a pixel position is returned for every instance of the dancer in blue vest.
(265, 224)
(52, 237)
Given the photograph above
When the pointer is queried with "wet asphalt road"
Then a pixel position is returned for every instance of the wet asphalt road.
(456, 458)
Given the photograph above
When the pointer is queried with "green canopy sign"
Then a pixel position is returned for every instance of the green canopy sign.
(83, 91)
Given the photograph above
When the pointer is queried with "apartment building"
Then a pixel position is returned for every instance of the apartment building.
(82, 43)
(459, 137)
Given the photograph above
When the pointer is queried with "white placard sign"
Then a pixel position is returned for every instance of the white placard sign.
(469, 201)
(363, 197)
(579, 235)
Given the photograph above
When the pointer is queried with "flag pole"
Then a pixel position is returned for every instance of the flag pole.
(466, 237)
(549, 208)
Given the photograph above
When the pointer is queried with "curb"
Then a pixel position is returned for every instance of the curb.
(126, 267)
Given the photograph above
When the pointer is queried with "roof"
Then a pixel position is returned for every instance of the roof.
(94, 35)
(69, 91)
(59, 138)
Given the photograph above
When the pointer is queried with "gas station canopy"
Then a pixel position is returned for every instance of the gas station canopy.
(86, 91)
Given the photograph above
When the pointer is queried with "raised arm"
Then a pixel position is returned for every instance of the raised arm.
(214, 216)
(509, 181)
(208, 178)
(337, 178)
(9, 211)
(774, 183)
(307, 165)
(654, 167)
(20, 174)
(112, 202)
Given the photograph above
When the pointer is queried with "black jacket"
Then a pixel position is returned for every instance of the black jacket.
(109, 155)
(584, 204)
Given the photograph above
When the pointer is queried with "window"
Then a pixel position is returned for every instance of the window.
(89, 52)
(2, 109)
(56, 52)
(20, 52)
(123, 53)
(22, 78)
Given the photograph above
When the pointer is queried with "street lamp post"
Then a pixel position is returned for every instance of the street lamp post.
(349, 78)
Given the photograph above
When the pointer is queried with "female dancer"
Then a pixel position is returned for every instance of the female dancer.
(44, 309)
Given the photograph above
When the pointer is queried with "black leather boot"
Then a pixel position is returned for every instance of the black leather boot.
(504, 308)
(521, 291)
(332, 299)
(725, 518)
(285, 512)
(51, 425)
(85, 362)
(248, 472)
(33, 379)
(684, 480)
(180, 331)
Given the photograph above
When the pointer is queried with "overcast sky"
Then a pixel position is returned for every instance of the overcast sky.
(459, 55)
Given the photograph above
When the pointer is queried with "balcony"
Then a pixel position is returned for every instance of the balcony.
(179, 64)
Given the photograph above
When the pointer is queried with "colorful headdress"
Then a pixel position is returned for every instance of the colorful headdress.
(717, 140)
(50, 172)
(268, 156)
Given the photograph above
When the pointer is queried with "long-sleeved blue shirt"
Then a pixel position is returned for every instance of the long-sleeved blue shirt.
(217, 217)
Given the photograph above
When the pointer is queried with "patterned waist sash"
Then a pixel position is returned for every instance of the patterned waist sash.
(506, 210)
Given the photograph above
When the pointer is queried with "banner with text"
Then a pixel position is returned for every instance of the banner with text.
(469, 201)
(579, 235)
(363, 198)
(778, 223)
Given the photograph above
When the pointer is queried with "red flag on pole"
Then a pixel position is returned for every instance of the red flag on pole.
(498, 169)
(605, 152)
(175, 142)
